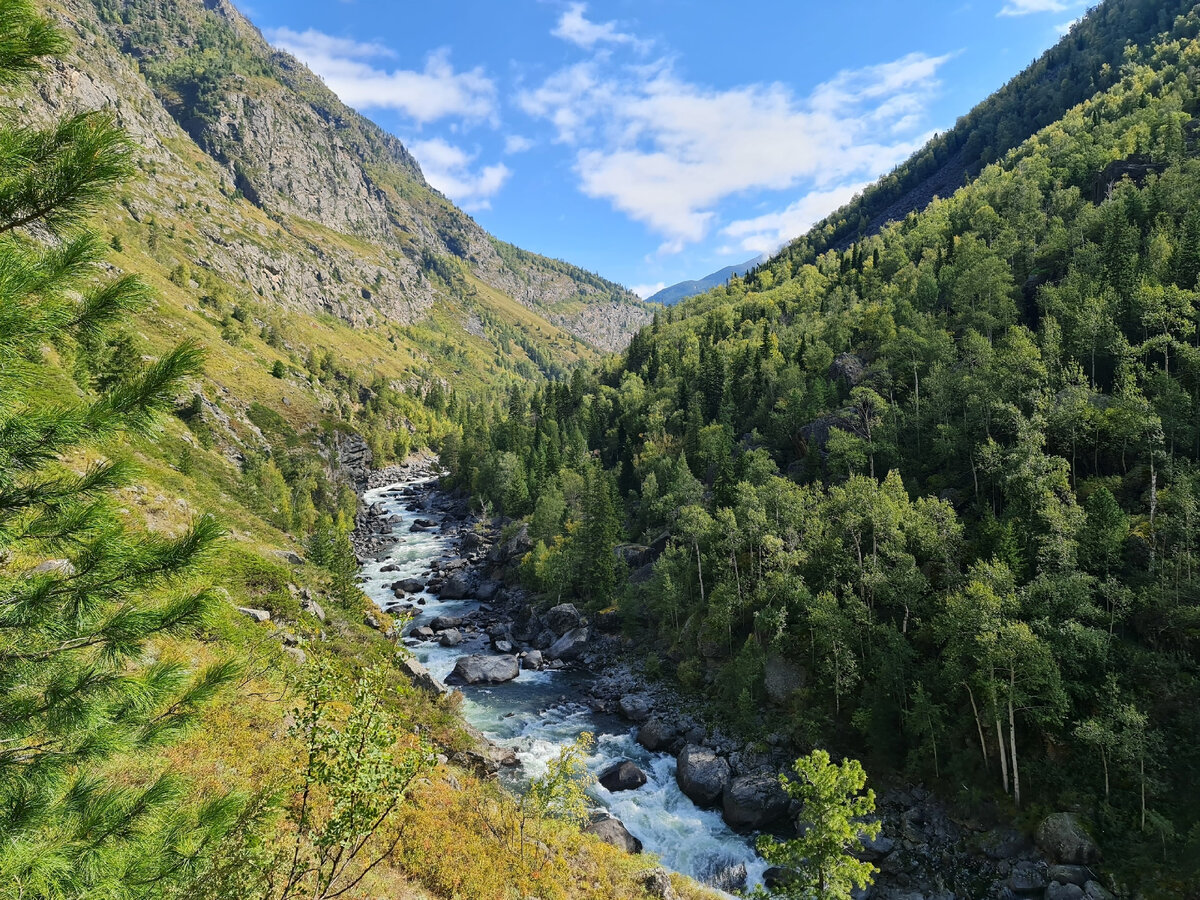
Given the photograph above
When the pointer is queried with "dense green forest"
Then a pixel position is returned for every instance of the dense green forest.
(949, 478)
(1088, 60)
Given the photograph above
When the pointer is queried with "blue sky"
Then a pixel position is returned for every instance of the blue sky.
(659, 140)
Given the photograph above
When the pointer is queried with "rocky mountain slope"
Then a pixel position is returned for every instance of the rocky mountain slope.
(287, 192)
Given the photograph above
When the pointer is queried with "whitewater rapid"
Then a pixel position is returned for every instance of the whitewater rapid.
(538, 714)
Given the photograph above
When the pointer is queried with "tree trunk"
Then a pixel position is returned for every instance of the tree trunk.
(1003, 757)
(979, 726)
(1012, 738)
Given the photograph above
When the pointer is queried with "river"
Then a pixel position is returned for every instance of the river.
(539, 713)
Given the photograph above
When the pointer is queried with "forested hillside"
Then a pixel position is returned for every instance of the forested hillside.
(1088, 59)
(943, 484)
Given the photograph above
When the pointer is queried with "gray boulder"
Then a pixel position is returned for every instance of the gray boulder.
(1079, 875)
(611, 831)
(441, 623)
(313, 608)
(754, 802)
(423, 633)
(1057, 891)
(635, 707)
(421, 677)
(622, 776)
(410, 585)
(562, 618)
(258, 615)
(533, 660)
(1027, 878)
(479, 669)
(728, 878)
(1063, 839)
(570, 645)
(456, 588)
(1094, 890)
(702, 774)
(451, 637)
(657, 734)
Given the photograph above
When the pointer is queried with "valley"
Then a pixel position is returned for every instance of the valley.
(350, 550)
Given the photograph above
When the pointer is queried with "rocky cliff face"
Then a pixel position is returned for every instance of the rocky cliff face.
(284, 189)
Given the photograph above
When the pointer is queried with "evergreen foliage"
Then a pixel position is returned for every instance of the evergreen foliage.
(82, 598)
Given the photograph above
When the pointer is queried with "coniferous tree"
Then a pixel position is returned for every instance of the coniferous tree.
(81, 596)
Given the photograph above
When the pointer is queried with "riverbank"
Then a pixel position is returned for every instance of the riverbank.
(533, 678)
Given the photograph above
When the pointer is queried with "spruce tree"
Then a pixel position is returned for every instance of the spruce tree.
(82, 598)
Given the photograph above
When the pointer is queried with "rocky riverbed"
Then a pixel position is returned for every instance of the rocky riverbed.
(534, 677)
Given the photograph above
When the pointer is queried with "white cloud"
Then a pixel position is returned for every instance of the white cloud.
(434, 93)
(573, 26)
(666, 151)
(1026, 7)
(646, 291)
(766, 233)
(516, 143)
(449, 169)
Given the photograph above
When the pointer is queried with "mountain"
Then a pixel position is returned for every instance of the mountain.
(313, 207)
(930, 499)
(1087, 59)
(684, 289)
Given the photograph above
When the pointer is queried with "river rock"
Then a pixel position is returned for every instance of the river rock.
(657, 734)
(456, 587)
(728, 878)
(410, 585)
(1056, 891)
(613, 832)
(622, 776)
(488, 590)
(1079, 875)
(533, 660)
(451, 637)
(1027, 878)
(423, 633)
(562, 618)
(1094, 890)
(635, 707)
(570, 645)
(702, 774)
(1064, 840)
(754, 802)
(441, 623)
(420, 677)
(480, 669)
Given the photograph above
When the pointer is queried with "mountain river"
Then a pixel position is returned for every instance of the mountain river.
(540, 712)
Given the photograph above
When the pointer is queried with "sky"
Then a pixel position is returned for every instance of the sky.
(654, 141)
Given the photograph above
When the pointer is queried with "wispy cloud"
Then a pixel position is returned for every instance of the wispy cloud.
(1028, 7)
(350, 69)
(768, 232)
(450, 169)
(575, 27)
(667, 151)
(517, 143)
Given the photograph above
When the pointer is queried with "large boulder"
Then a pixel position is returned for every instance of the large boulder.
(451, 637)
(441, 623)
(657, 734)
(1063, 839)
(622, 776)
(730, 877)
(755, 801)
(410, 585)
(570, 645)
(533, 660)
(702, 774)
(611, 831)
(562, 618)
(420, 676)
(480, 669)
(635, 707)
(456, 587)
